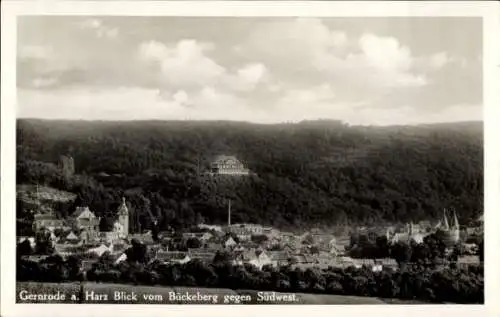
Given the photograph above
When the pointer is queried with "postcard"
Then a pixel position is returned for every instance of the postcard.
(270, 157)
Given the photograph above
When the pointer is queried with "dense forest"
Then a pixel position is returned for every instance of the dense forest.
(310, 173)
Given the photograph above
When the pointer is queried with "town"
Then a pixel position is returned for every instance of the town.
(245, 243)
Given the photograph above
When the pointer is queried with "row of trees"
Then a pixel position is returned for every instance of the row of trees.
(305, 174)
(456, 285)
(433, 249)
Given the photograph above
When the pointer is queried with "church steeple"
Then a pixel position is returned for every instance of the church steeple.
(123, 217)
(123, 210)
(456, 225)
(446, 225)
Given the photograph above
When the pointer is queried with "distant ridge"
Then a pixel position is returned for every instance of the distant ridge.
(316, 122)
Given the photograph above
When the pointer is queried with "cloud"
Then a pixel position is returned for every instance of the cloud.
(38, 52)
(306, 48)
(439, 60)
(122, 103)
(101, 30)
(44, 82)
(183, 64)
(186, 64)
(269, 70)
(385, 53)
(252, 73)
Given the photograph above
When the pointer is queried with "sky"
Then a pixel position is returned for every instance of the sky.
(363, 71)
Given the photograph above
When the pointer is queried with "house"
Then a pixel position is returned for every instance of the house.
(87, 265)
(257, 258)
(410, 234)
(145, 238)
(35, 258)
(337, 250)
(210, 227)
(290, 248)
(272, 243)
(302, 259)
(227, 165)
(205, 236)
(72, 238)
(31, 240)
(46, 220)
(85, 219)
(288, 237)
(88, 236)
(202, 236)
(121, 258)
(213, 246)
(279, 258)
(245, 231)
(109, 235)
(240, 248)
(270, 232)
(470, 248)
(229, 243)
(468, 260)
(387, 263)
(66, 250)
(201, 254)
(172, 257)
(100, 250)
(188, 235)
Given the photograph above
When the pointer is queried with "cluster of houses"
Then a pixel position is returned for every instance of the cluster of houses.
(244, 243)
(272, 247)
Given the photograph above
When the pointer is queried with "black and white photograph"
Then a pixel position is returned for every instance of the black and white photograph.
(249, 160)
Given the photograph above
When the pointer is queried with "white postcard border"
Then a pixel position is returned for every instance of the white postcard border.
(489, 10)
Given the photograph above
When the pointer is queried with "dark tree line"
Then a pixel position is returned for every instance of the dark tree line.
(458, 285)
(423, 281)
(305, 174)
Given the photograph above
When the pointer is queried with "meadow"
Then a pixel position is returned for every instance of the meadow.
(104, 293)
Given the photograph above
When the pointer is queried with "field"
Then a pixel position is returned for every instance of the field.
(92, 293)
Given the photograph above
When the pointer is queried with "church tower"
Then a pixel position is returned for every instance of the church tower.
(123, 217)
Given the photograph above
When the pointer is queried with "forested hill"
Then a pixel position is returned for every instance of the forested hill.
(314, 172)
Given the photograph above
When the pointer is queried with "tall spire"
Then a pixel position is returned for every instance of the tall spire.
(123, 207)
(455, 220)
(446, 225)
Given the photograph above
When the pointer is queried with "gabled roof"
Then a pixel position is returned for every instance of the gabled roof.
(83, 212)
(72, 236)
(300, 258)
(279, 255)
(221, 159)
(100, 250)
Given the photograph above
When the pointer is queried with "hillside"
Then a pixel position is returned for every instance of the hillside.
(32, 195)
(316, 172)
